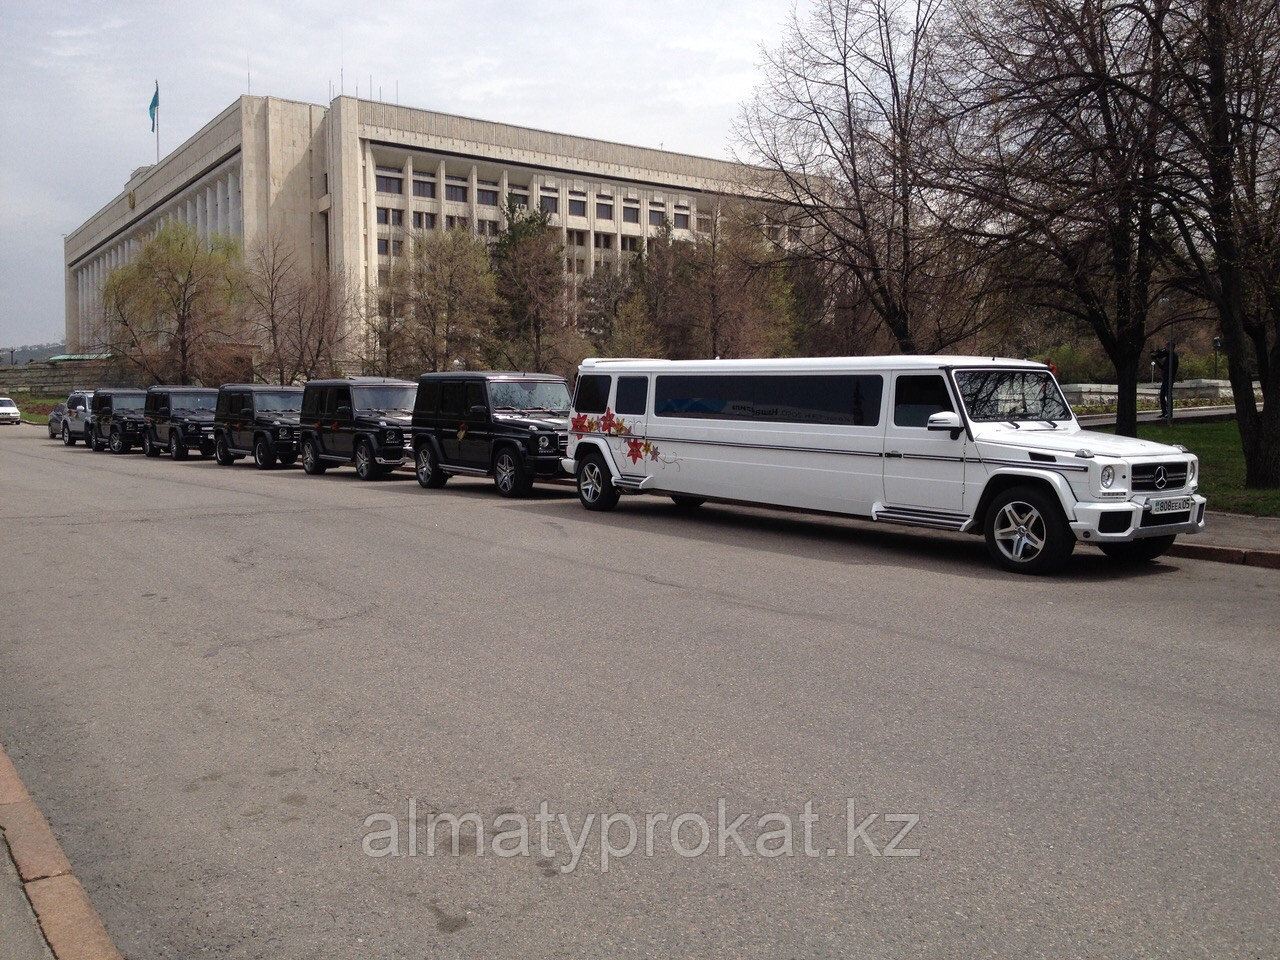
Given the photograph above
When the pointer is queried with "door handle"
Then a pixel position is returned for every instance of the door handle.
(894, 453)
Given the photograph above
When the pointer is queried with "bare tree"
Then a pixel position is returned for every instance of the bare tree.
(299, 319)
(843, 124)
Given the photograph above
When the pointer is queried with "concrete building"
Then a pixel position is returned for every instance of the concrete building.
(343, 185)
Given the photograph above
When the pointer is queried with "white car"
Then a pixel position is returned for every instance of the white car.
(9, 411)
(973, 444)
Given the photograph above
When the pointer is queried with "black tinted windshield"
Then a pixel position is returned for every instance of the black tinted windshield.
(191, 402)
(285, 401)
(387, 398)
(529, 395)
(127, 403)
(996, 395)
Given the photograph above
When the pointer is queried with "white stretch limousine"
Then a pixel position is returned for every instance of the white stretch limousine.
(980, 445)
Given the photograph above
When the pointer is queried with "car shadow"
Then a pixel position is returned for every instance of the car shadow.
(820, 537)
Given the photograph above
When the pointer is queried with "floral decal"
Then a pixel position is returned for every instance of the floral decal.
(611, 425)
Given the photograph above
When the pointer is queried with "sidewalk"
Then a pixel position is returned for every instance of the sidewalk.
(44, 912)
(1233, 538)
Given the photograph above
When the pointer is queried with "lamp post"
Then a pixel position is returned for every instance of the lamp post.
(1217, 345)
(1153, 373)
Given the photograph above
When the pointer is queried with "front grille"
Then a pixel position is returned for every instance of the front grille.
(1146, 476)
(1165, 519)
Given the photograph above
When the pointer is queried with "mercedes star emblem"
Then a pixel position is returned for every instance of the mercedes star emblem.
(1162, 478)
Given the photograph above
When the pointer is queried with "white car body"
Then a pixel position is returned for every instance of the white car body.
(941, 473)
(9, 412)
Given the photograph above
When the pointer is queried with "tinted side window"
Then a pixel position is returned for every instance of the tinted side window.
(339, 397)
(837, 399)
(592, 394)
(311, 401)
(451, 397)
(840, 399)
(246, 403)
(916, 398)
(475, 395)
(428, 400)
(633, 395)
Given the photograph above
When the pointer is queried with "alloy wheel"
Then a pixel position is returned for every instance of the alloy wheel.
(1020, 531)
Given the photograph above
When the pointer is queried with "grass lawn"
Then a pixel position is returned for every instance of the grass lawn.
(35, 407)
(1221, 465)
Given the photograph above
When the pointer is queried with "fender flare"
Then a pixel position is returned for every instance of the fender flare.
(999, 479)
(604, 451)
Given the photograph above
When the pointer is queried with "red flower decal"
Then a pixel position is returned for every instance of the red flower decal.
(607, 421)
(635, 451)
(580, 424)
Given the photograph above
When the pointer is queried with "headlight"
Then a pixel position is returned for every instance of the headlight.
(1191, 471)
(544, 442)
(1108, 477)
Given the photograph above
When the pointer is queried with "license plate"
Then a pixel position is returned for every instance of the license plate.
(1174, 505)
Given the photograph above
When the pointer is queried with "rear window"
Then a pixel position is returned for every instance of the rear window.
(592, 395)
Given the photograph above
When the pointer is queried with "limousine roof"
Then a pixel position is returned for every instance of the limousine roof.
(814, 364)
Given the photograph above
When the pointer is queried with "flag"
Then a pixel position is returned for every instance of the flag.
(155, 107)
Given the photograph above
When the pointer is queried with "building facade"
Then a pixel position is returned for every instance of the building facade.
(343, 187)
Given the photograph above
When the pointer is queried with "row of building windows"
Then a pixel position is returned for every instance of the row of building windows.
(549, 202)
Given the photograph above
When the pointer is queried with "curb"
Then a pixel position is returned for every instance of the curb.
(70, 925)
(1269, 559)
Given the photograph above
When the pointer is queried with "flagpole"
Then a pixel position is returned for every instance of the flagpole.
(157, 121)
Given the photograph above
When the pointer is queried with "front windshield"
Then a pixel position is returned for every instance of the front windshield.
(191, 402)
(549, 395)
(127, 403)
(385, 398)
(281, 401)
(1011, 395)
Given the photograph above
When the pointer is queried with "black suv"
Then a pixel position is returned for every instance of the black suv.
(257, 419)
(178, 419)
(360, 420)
(115, 419)
(510, 426)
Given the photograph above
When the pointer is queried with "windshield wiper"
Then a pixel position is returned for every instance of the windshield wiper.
(1013, 422)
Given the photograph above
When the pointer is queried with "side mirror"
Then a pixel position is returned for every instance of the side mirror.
(246, 413)
(479, 410)
(945, 420)
(343, 413)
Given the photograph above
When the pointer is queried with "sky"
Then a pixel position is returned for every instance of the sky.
(78, 77)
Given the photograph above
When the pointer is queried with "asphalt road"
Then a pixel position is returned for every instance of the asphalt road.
(210, 677)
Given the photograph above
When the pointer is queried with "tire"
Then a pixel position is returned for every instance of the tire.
(115, 442)
(311, 462)
(149, 449)
(427, 467)
(1026, 531)
(91, 440)
(366, 466)
(222, 452)
(287, 459)
(264, 457)
(67, 439)
(1138, 551)
(685, 503)
(595, 485)
(510, 475)
(177, 446)
(206, 451)
(53, 434)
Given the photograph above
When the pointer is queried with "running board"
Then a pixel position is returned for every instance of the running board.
(629, 484)
(468, 471)
(914, 517)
